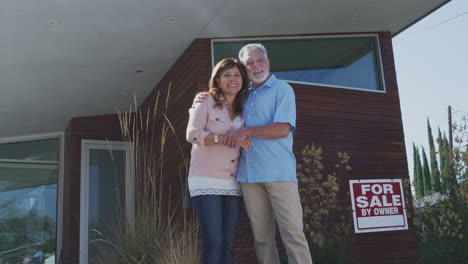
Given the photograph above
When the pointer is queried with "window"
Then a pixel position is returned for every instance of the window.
(45, 149)
(28, 200)
(107, 194)
(351, 62)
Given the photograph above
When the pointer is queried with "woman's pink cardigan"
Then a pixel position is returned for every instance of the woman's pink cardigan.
(216, 161)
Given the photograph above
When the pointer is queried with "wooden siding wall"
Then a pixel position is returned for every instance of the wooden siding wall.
(182, 82)
(96, 128)
(366, 125)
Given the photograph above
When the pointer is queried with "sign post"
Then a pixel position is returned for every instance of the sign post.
(378, 205)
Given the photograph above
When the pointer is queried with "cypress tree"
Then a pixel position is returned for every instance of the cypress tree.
(443, 160)
(426, 174)
(419, 169)
(451, 182)
(416, 176)
(435, 174)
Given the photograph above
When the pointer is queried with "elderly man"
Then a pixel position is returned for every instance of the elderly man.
(267, 171)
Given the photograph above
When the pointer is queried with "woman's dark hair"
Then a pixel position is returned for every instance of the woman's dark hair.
(215, 90)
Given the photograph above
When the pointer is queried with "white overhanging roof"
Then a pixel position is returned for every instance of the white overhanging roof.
(61, 59)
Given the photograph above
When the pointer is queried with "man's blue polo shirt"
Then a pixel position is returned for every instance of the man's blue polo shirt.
(269, 160)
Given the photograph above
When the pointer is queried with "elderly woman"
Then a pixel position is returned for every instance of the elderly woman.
(215, 193)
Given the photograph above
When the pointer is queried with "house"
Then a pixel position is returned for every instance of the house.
(66, 66)
(428, 200)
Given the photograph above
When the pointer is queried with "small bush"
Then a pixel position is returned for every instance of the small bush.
(327, 219)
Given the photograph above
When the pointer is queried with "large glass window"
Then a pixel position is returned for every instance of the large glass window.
(345, 62)
(45, 149)
(28, 201)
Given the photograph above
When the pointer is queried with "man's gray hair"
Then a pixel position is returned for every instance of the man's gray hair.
(250, 47)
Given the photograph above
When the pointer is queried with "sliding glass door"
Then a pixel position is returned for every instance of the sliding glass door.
(106, 195)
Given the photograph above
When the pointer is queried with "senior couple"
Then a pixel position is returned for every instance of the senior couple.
(241, 132)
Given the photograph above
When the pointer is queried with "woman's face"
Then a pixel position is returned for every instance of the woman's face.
(230, 81)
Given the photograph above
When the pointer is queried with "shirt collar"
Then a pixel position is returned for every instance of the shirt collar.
(267, 84)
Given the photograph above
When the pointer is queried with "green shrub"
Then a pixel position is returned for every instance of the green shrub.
(327, 220)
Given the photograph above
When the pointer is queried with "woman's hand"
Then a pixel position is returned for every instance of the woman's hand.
(233, 139)
(246, 143)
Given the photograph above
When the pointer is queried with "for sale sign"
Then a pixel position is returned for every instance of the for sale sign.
(378, 205)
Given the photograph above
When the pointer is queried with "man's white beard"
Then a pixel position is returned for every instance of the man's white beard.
(259, 80)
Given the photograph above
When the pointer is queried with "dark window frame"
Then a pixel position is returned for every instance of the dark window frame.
(378, 64)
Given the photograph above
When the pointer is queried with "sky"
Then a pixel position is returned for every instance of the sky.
(431, 60)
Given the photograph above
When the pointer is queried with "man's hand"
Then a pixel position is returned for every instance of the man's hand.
(200, 98)
(235, 138)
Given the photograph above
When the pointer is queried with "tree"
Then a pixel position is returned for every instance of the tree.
(442, 157)
(448, 174)
(435, 174)
(426, 174)
(416, 176)
(441, 224)
(460, 157)
(419, 174)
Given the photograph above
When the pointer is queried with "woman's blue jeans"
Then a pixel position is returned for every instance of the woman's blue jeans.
(218, 216)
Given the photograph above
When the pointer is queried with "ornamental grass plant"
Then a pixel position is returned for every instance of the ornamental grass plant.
(162, 231)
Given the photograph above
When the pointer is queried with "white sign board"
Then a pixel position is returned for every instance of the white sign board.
(378, 205)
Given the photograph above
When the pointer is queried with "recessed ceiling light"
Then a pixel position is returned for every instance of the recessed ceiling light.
(171, 20)
(53, 22)
(270, 19)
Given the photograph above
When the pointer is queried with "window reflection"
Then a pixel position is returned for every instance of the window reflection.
(28, 196)
(345, 76)
(45, 149)
(337, 61)
(106, 197)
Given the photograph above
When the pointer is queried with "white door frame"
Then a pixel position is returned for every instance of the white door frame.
(86, 146)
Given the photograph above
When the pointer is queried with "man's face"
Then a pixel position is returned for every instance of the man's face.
(258, 67)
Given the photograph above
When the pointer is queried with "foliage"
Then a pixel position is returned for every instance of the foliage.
(17, 241)
(49, 245)
(435, 174)
(441, 221)
(443, 147)
(442, 232)
(426, 175)
(442, 225)
(418, 174)
(443, 251)
(448, 173)
(421, 176)
(459, 160)
(162, 230)
(327, 220)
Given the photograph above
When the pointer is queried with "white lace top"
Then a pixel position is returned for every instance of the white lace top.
(213, 186)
